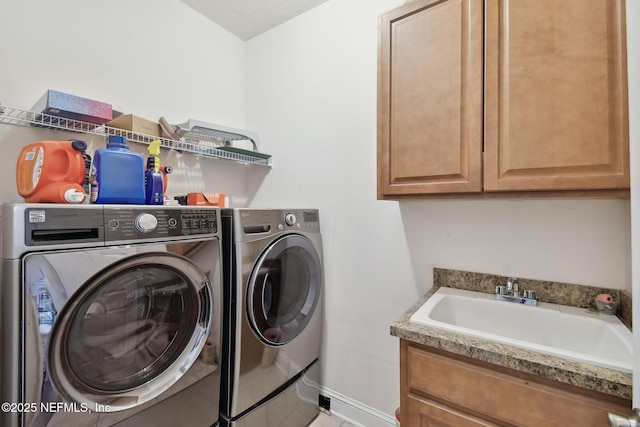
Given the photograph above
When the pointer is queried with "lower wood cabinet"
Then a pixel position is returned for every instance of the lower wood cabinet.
(440, 389)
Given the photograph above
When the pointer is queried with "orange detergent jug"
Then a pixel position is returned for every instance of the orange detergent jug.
(52, 172)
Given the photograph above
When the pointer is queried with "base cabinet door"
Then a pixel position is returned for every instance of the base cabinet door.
(427, 413)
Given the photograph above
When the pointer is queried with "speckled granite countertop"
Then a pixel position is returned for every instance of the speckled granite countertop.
(585, 375)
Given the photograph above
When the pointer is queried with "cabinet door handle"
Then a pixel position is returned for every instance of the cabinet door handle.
(618, 421)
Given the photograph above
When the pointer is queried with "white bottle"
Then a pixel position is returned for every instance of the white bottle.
(44, 304)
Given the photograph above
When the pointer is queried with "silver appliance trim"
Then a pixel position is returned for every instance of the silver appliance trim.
(145, 385)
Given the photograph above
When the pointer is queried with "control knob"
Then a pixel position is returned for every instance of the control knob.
(290, 219)
(146, 223)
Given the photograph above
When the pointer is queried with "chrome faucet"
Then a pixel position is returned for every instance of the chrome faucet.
(510, 293)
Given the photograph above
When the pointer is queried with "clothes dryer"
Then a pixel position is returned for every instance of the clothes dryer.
(111, 315)
(273, 292)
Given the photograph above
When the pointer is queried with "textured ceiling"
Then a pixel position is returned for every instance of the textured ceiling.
(248, 18)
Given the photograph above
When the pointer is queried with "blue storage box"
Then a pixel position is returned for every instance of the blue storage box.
(74, 107)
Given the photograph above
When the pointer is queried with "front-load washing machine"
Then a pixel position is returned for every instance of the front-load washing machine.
(273, 287)
(111, 315)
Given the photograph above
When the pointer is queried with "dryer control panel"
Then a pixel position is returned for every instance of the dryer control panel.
(139, 223)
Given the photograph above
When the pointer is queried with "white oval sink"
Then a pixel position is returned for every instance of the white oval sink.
(559, 330)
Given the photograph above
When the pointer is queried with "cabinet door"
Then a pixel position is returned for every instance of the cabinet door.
(427, 413)
(556, 95)
(430, 98)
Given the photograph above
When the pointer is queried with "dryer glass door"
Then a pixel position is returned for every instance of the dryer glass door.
(131, 331)
(284, 289)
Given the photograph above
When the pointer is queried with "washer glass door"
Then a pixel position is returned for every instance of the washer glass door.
(131, 331)
(284, 289)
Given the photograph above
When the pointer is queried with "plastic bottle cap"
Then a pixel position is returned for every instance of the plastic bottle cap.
(79, 145)
(154, 147)
(44, 328)
(154, 151)
(73, 196)
(117, 141)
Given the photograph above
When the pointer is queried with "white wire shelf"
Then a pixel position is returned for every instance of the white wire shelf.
(18, 117)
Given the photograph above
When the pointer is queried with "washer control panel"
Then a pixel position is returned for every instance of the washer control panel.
(98, 225)
(136, 223)
(303, 220)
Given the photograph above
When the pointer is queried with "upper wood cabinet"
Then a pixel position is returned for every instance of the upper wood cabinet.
(553, 113)
(430, 98)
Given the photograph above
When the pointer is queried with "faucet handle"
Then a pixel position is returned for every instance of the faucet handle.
(531, 294)
(501, 290)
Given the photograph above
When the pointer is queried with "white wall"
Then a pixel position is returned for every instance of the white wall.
(311, 93)
(148, 57)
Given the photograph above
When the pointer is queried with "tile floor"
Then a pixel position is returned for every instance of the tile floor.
(330, 420)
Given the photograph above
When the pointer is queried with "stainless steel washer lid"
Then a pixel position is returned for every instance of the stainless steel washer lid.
(133, 330)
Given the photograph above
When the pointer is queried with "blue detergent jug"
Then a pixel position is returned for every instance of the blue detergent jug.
(117, 174)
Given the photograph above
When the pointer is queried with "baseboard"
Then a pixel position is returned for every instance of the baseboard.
(355, 412)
